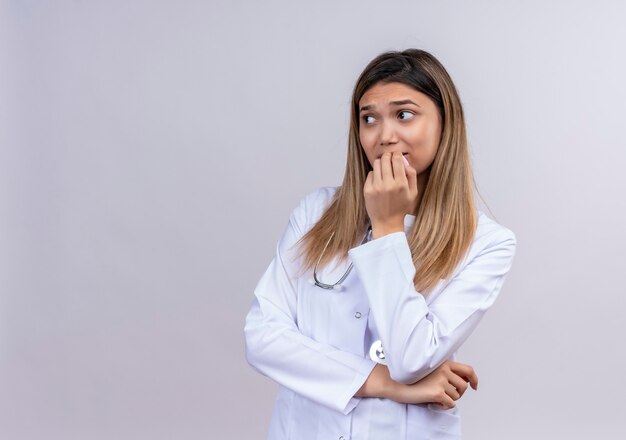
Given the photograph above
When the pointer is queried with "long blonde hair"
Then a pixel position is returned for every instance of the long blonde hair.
(446, 217)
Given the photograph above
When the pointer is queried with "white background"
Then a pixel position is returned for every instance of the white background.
(150, 155)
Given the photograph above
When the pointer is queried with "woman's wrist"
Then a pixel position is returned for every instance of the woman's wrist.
(389, 389)
(378, 383)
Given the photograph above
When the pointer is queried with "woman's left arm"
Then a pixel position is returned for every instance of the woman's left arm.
(418, 337)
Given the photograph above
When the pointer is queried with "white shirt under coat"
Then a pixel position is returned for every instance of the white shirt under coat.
(315, 342)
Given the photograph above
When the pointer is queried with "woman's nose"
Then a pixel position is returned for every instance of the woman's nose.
(388, 133)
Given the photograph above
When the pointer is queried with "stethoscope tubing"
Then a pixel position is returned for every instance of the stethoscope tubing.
(337, 285)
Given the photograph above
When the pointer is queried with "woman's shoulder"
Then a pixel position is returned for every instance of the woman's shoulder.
(311, 207)
(320, 195)
(491, 231)
(315, 202)
(492, 242)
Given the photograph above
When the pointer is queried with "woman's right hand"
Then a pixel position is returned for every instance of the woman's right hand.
(441, 387)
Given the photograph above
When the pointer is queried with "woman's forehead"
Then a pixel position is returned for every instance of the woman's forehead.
(385, 93)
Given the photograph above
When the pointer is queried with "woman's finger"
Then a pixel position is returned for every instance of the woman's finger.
(368, 181)
(452, 391)
(387, 171)
(399, 174)
(466, 372)
(411, 177)
(378, 177)
(446, 402)
(459, 383)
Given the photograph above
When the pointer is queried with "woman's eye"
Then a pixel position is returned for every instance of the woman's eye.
(405, 114)
(368, 119)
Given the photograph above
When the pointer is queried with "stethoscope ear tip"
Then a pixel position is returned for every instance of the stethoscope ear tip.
(337, 288)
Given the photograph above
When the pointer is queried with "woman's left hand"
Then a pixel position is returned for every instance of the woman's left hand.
(390, 193)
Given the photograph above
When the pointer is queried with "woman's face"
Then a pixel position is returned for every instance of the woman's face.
(396, 117)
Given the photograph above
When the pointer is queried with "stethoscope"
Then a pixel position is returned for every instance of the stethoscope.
(376, 349)
(336, 286)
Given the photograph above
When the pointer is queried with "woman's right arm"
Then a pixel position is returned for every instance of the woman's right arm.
(276, 348)
(443, 386)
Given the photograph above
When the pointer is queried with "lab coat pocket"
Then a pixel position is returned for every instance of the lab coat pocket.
(438, 424)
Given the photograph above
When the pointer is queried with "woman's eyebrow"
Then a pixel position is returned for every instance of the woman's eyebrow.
(401, 102)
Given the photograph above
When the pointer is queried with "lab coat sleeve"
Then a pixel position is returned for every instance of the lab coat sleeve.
(276, 348)
(417, 337)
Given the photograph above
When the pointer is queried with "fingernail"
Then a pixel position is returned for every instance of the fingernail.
(406, 162)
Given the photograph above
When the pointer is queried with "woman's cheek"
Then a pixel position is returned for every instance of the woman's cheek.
(367, 146)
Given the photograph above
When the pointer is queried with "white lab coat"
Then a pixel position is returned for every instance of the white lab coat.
(315, 343)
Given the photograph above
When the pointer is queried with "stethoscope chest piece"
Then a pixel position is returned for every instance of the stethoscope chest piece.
(377, 354)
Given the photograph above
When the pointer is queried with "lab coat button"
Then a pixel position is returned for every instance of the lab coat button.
(357, 315)
(341, 437)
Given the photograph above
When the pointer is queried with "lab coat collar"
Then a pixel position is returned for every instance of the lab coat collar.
(409, 220)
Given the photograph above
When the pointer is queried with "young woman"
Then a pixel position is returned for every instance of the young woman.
(370, 353)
